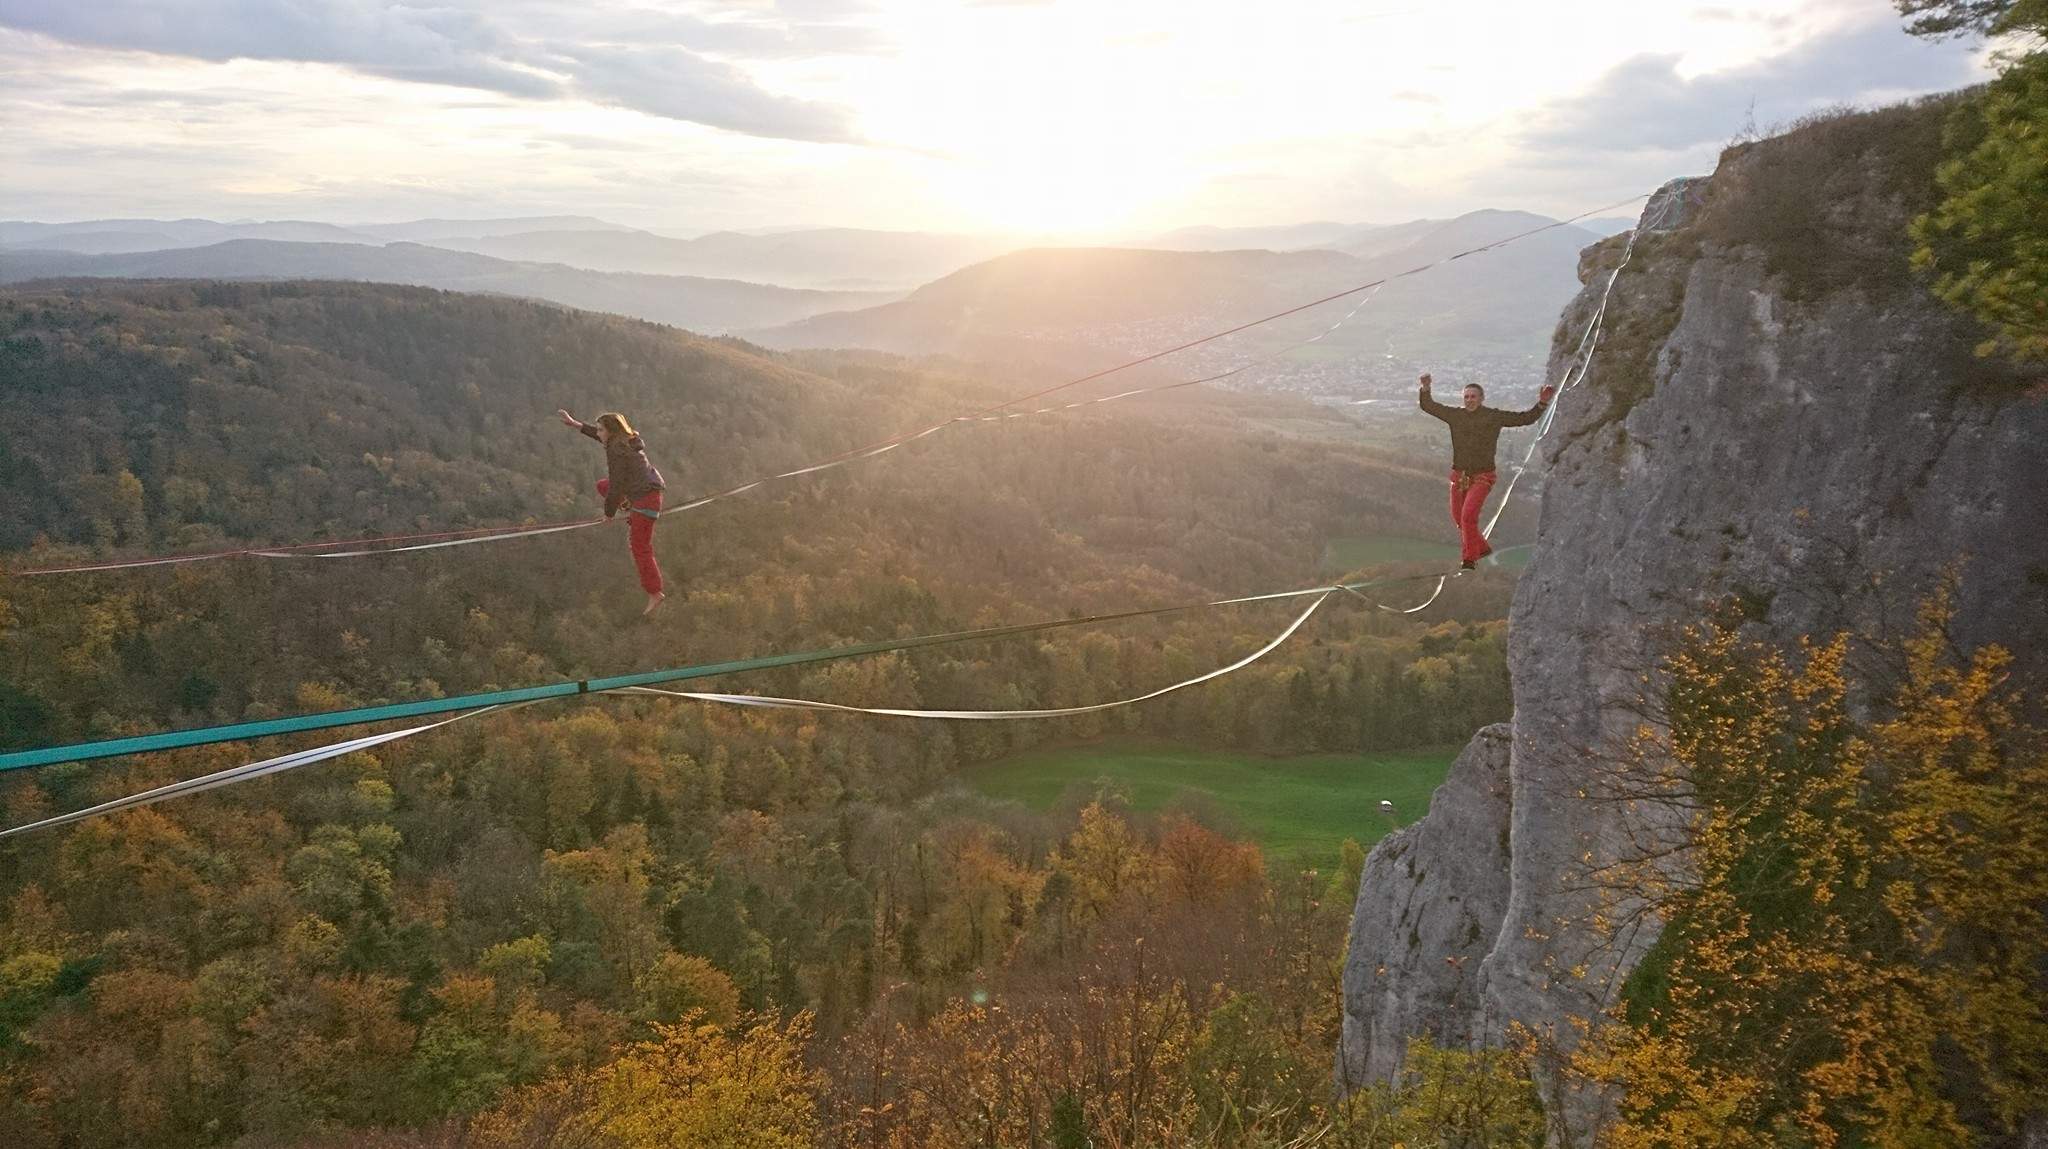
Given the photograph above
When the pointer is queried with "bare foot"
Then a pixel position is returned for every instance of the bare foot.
(654, 600)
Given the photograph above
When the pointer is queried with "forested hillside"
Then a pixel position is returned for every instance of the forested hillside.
(478, 919)
(714, 305)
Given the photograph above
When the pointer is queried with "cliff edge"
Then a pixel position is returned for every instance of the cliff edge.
(1779, 415)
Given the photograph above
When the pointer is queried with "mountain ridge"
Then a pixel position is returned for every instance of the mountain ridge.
(1117, 301)
(698, 303)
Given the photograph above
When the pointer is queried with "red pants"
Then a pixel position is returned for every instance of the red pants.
(640, 525)
(1468, 498)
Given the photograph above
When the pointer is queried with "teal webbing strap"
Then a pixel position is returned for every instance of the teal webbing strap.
(205, 736)
(176, 739)
(242, 731)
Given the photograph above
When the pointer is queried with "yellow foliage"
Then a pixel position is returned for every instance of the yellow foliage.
(985, 897)
(695, 1085)
(680, 985)
(1105, 860)
(1859, 929)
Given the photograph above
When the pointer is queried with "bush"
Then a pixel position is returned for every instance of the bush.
(1800, 198)
(1987, 240)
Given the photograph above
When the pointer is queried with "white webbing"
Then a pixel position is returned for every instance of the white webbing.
(283, 762)
(242, 773)
(772, 702)
(493, 537)
(1589, 345)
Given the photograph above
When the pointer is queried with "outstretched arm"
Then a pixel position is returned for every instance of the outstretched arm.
(1429, 405)
(1524, 418)
(569, 420)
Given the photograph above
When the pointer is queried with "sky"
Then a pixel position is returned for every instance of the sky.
(1078, 118)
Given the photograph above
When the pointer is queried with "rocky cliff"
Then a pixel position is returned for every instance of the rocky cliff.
(1778, 415)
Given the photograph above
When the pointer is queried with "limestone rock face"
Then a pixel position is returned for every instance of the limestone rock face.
(1430, 902)
(1749, 431)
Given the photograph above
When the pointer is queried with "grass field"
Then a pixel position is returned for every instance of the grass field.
(1296, 808)
(1350, 554)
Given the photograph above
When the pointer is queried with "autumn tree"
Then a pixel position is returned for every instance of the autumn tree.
(696, 1083)
(1453, 1099)
(1854, 924)
(678, 986)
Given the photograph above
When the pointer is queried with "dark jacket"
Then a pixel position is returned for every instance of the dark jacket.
(1474, 434)
(632, 476)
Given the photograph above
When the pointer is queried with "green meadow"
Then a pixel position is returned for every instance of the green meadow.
(1296, 808)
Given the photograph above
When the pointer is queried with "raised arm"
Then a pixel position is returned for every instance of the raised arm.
(1524, 418)
(1429, 405)
(569, 420)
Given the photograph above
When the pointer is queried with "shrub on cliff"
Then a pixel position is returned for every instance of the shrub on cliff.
(1986, 243)
(1853, 905)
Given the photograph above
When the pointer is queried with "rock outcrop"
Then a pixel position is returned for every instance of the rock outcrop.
(1431, 899)
(1778, 416)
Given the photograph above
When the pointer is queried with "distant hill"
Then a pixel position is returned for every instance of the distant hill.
(1072, 305)
(1608, 224)
(1287, 237)
(1425, 240)
(1087, 305)
(814, 258)
(707, 305)
(430, 230)
(113, 236)
(839, 258)
(1365, 239)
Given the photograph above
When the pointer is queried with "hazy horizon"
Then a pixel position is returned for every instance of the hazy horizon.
(1604, 223)
(1056, 119)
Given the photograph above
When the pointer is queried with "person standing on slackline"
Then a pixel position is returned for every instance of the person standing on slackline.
(630, 482)
(1475, 431)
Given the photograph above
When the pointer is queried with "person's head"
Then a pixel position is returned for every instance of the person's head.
(1474, 396)
(614, 426)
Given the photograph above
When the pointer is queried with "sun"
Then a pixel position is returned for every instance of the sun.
(1033, 122)
(1069, 186)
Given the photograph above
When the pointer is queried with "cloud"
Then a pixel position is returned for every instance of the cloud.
(685, 86)
(740, 38)
(821, 9)
(1778, 21)
(1644, 104)
(433, 45)
(581, 142)
(633, 58)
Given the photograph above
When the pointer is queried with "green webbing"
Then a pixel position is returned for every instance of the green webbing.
(242, 731)
(142, 744)
(146, 743)
(172, 740)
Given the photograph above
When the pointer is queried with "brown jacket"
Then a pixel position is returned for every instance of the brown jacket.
(626, 465)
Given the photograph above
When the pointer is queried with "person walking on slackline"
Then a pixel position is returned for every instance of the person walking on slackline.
(1475, 430)
(633, 483)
